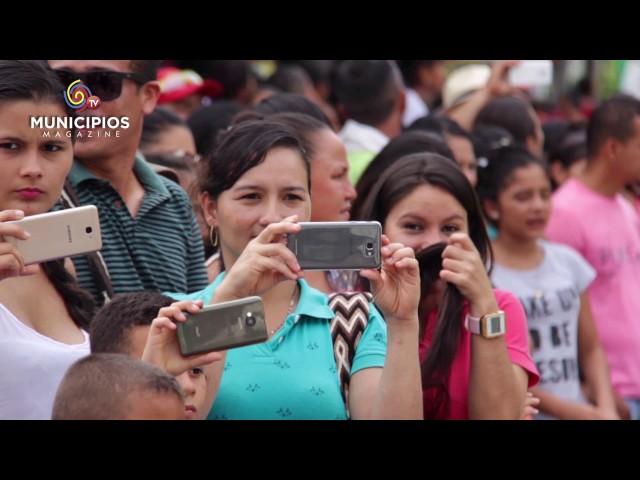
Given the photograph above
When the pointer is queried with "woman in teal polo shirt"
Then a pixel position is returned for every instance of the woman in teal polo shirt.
(255, 190)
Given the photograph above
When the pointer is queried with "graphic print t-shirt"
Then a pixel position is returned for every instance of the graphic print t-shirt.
(550, 295)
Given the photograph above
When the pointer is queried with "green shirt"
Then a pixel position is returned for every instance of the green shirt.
(160, 249)
(292, 375)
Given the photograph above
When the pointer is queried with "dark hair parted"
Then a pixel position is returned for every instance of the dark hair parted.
(501, 163)
(291, 103)
(405, 144)
(245, 146)
(395, 184)
(612, 119)
(112, 323)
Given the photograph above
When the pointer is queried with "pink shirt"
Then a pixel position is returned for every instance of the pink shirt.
(606, 231)
(517, 339)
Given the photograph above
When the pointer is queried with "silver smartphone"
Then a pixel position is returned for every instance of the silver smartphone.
(60, 234)
(223, 326)
(337, 245)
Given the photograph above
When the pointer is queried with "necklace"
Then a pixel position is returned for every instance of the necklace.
(292, 304)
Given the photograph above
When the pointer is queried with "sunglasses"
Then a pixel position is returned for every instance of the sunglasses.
(105, 84)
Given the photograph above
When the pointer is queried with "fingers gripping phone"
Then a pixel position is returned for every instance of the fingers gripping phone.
(61, 234)
(223, 326)
(337, 245)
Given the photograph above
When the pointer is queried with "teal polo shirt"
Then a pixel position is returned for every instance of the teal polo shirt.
(293, 375)
(159, 249)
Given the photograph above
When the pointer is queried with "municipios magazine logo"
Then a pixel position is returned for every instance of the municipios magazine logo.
(78, 96)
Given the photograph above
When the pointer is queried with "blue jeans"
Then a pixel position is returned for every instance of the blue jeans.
(634, 407)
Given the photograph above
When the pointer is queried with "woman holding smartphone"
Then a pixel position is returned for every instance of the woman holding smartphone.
(43, 313)
(473, 339)
(256, 190)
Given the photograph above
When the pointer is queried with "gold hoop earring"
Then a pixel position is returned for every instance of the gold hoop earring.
(212, 229)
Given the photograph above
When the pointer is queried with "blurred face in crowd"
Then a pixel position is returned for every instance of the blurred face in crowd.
(627, 155)
(33, 166)
(176, 141)
(134, 101)
(524, 204)
(143, 405)
(426, 216)
(331, 189)
(192, 382)
(464, 154)
(267, 193)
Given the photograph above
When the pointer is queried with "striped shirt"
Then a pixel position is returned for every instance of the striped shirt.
(160, 249)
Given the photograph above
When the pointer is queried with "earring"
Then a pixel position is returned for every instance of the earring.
(214, 243)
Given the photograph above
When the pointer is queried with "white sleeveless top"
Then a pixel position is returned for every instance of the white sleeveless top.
(31, 368)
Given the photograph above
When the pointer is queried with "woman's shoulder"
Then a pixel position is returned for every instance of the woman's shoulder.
(505, 298)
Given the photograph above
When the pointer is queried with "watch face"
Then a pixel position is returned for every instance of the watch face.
(494, 325)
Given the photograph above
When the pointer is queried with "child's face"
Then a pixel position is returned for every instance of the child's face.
(194, 387)
(154, 406)
(33, 166)
(525, 203)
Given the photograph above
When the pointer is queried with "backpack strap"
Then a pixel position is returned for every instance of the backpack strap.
(97, 265)
(347, 326)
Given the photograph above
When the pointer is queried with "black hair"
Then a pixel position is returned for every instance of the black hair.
(495, 176)
(395, 184)
(233, 75)
(290, 103)
(441, 125)
(404, 144)
(410, 69)
(34, 80)
(112, 323)
(511, 113)
(243, 147)
(207, 122)
(99, 387)
(158, 122)
(319, 71)
(367, 89)
(304, 125)
(486, 139)
(612, 119)
(291, 79)
(148, 69)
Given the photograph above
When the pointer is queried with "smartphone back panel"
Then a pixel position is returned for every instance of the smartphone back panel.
(223, 326)
(337, 245)
(61, 234)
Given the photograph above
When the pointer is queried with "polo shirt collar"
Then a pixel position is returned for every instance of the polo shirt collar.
(312, 302)
(147, 177)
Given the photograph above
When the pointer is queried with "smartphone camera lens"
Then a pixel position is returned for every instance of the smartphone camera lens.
(88, 230)
(249, 320)
(369, 246)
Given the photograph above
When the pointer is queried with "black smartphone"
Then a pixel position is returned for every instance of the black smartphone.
(223, 326)
(337, 245)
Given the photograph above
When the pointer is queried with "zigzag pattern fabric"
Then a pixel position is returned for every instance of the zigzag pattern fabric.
(350, 320)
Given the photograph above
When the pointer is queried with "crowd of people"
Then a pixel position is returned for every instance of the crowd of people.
(510, 246)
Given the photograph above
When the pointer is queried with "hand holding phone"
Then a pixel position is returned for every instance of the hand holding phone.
(531, 73)
(60, 234)
(162, 348)
(337, 245)
(222, 326)
(11, 260)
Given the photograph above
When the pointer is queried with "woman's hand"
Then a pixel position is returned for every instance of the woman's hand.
(530, 403)
(463, 267)
(265, 262)
(162, 347)
(11, 261)
(396, 288)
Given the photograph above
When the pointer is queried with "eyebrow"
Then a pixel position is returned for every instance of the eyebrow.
(258, 187)
(455, 216)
